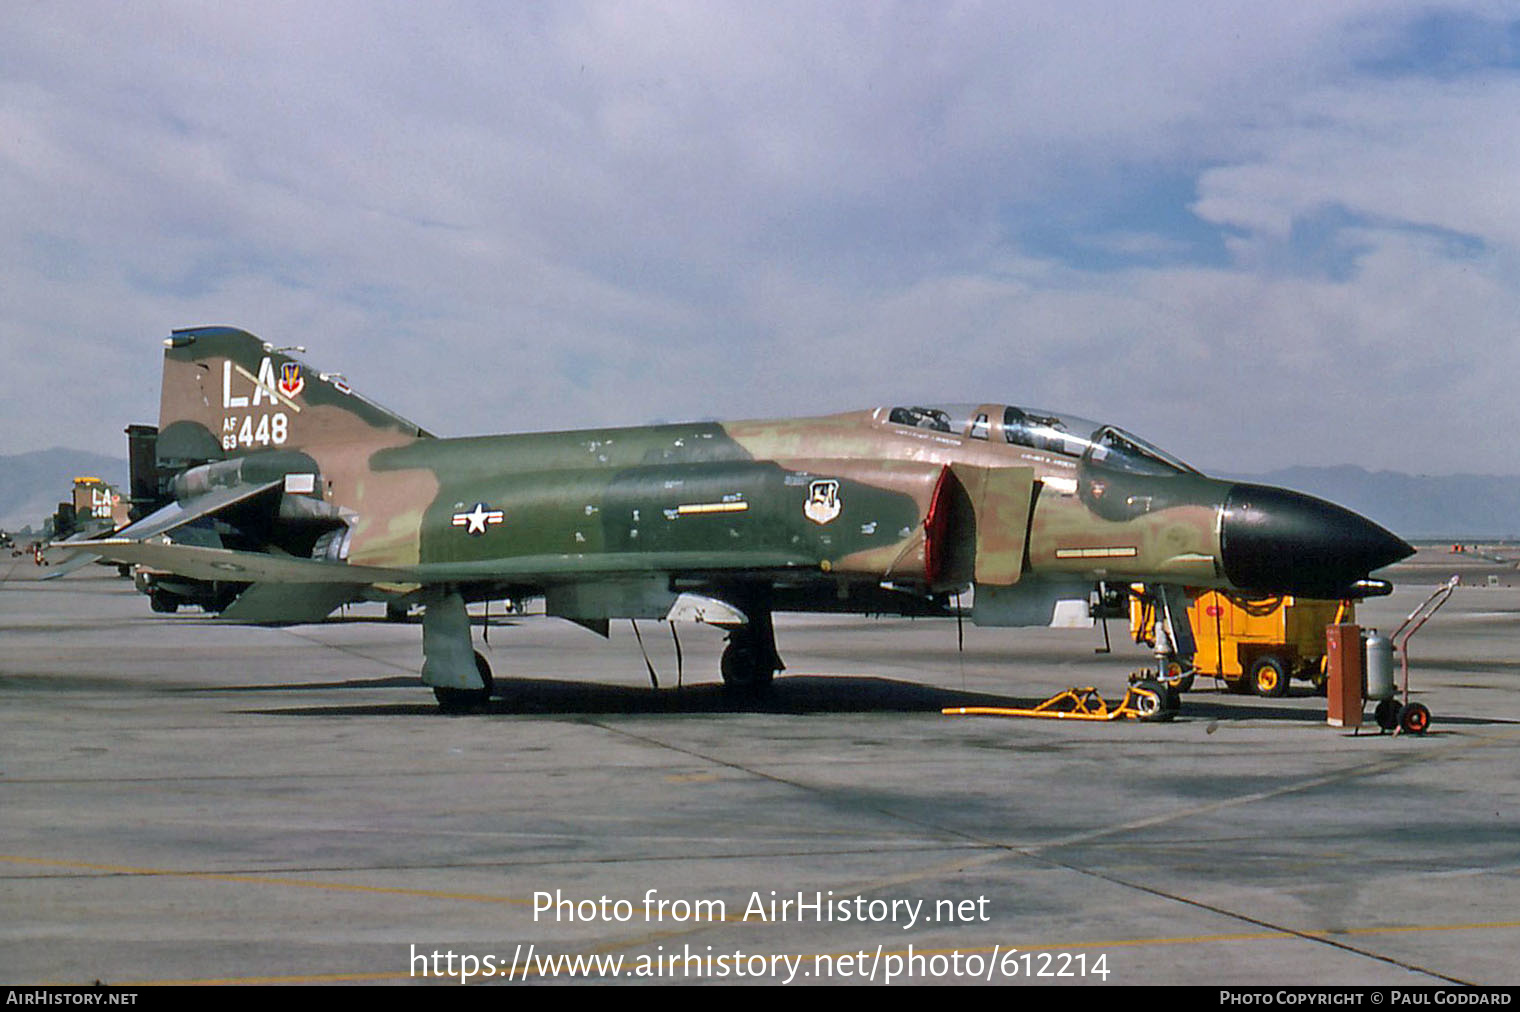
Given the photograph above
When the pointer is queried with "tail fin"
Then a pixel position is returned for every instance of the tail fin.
(226, 393)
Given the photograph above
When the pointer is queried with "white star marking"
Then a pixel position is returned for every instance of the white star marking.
(475, 521)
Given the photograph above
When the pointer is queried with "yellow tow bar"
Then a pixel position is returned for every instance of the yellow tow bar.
(1142, 701)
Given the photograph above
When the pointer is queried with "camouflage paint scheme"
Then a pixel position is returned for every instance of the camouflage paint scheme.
(574, 498)
(890, 510)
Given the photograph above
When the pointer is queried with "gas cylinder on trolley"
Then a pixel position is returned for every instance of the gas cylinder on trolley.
(1377, 650)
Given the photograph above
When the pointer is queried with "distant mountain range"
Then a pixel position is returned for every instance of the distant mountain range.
(1460, 506)
(1455, 506)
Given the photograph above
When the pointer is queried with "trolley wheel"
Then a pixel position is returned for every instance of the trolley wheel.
(1269, 677)
(1177, 678)
(1414, 718)
(1387, 714)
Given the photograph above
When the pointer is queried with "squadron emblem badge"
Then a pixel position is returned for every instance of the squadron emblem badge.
(291, 380)
(823, 502)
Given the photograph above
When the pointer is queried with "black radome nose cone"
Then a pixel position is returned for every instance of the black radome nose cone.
(1279, 542)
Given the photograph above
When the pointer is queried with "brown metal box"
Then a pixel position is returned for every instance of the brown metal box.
(1343, 675)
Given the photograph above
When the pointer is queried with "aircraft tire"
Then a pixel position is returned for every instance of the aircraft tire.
(1154, 701)
(1268, 677)
(743, 669)
(1414, 718)
(163, 602)
(451, 700)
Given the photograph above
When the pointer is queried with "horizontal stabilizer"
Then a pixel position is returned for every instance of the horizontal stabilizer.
(71, 553)
(177, 514)
(161, 521)
(71, 560)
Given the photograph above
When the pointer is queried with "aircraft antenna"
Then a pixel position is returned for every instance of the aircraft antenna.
(960, 640)
(960, 629)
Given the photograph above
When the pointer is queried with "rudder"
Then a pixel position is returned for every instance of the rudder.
(226, 394)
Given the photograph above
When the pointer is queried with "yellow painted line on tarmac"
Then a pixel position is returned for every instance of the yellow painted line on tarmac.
(247, 879)
(315, 978)
(210, 876)
(1267, 936)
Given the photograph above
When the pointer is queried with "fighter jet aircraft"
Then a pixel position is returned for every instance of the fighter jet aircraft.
(285, 494)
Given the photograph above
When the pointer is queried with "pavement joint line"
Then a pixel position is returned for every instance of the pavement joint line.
(243, 878)
(1320, 936)
(1033, 849)
(1037, 852)
(351, 652)
(785, 781)
(259, 879)
(1101, 843)
(1374, 768)
(1273, 931)
(943, 867)
(257, 876)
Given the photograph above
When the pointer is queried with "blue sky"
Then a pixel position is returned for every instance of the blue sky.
(1259, 235)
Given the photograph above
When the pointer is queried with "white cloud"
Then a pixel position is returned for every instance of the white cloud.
(497, 217)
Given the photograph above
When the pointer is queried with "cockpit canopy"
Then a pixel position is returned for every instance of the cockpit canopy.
(1045, 431)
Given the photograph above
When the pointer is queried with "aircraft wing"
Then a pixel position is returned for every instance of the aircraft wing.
(259, 567)
(224, 564)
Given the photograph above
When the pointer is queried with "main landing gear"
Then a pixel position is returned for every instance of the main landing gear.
(750, 660)
(460, 677)
(452, 700)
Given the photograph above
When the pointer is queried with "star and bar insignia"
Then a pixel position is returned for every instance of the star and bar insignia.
(478, 519)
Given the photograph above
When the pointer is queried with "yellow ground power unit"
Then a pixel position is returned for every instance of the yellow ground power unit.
(1253, 645)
